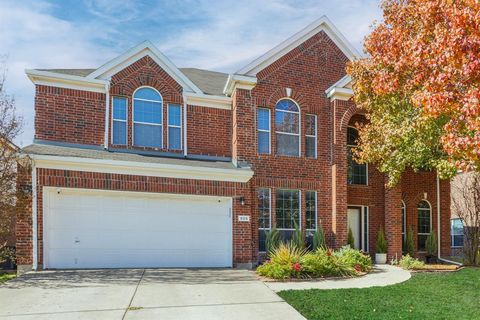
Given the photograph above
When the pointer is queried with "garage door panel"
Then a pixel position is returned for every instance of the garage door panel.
(98, 229)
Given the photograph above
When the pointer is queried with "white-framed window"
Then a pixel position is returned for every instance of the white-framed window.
(174, 123)
(456, 232)
(424, 225)
(287, 128)
(287, 212)
(311, 136)
(357, 173)
(147, 118)
(263, 131)
(311, 210)
(119, 120)
(264, 217)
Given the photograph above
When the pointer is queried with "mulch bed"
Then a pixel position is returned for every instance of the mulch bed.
(438, 268)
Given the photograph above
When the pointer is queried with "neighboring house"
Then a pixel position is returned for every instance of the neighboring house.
(141, 164)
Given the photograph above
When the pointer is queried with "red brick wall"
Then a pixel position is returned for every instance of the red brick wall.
(68, 115)
(209, 131)
(242, 242)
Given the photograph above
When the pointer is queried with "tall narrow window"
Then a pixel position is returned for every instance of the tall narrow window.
(424, 224)
(311, 210)
(263, 127)
(457, 233)
(147, 118)
(287, 211)
(311, 136)
(404, 224)
(264, 218)
(119, 119)
(357, 173)
(287, 128)
(174, 127)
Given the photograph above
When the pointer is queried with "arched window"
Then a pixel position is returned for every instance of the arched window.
(287, 127)
(424, 223)
(147, 118)
(404, 223)
(357, 173)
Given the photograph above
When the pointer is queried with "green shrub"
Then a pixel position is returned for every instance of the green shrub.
(354, 258)
(410, 263)
(318, 240)
(284, 262)
(381, 242)
(275, 270)
(298, 240)
(409, 246)
(431, 244)
(287, 254)
(272, 240)
(350, 238)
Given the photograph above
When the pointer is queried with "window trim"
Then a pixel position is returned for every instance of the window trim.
(316, 210)
(263, 130)
(113, 120)
(175, 126)
(299, 209)
(299, 113)
(146, 123)
(404, 220)
(269, 211)
(349, 146)
(310, 136)
(431, 222)
(456, 234)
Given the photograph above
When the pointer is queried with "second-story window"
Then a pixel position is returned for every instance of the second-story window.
(147, 118)
(357, 173)
(174, 127)
(287, 128)
(311, 136)
(119, 121)
(263, 127)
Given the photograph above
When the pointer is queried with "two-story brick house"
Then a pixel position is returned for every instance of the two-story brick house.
(141, 164)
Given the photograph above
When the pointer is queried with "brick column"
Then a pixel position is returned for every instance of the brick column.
(393, 222)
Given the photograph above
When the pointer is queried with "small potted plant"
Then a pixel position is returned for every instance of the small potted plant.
(381, 255)
(431, 248)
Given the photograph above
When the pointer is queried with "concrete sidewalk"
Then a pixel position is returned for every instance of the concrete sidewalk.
(142, 294)
(381, 275)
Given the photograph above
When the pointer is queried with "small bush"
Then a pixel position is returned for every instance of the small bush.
(318, 241)
(354, 258)
(410, 263)
(431, 244)
(350, 238)
(409, 246)
(275, 270)
(272, 240)
(381, 242)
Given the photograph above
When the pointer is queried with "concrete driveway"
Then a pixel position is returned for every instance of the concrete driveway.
(142, 294)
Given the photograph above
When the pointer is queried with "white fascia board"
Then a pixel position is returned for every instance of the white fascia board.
(239, 81)
(344, 94)
(54, 79)
(210, 101)
(342, 83)
(141, 168)
(322, 24)
(143, 49)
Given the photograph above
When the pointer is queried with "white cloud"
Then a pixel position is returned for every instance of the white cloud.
(221, 35)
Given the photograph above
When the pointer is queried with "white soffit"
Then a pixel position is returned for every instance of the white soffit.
(322, 24)
(145, 48)
(54, 79)
(341, 90)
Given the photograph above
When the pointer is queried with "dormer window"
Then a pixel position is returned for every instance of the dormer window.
(147, 118)
(287, 127)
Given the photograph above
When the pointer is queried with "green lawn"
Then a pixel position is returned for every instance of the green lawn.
(4, 277)
(450, 295)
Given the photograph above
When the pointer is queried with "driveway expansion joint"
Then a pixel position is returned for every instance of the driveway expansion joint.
(133, 296)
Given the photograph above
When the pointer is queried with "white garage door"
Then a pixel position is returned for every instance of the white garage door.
(108, 229)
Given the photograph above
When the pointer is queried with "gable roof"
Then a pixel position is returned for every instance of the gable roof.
(145, 48)
(71, 72)
(322, 24)
(210, 82)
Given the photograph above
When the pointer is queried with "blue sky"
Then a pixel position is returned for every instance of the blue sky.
(212, 34)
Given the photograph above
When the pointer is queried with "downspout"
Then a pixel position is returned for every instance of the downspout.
(107, 114)
(34, 218)
(185, 151)
(439, 242)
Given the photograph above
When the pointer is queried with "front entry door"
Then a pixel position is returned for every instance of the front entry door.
(355, 224)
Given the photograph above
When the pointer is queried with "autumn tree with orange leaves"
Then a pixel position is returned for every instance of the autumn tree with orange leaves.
(420, 88)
